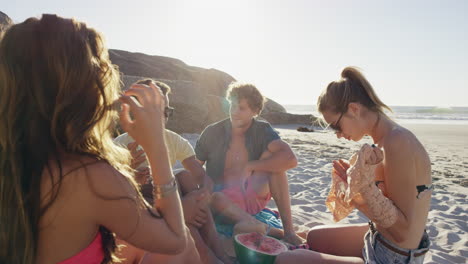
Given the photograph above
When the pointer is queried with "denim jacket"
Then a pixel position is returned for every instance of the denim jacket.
(215, 139)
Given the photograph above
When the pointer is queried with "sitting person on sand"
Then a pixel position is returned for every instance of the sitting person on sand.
(195, 199)
(247, 162)
(395, 196)
(66, 188)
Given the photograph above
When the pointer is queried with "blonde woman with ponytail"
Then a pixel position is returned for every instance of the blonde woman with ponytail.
(396, 199)
(65, 189)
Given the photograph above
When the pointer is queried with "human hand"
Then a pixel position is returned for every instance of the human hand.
(143, 175)
(248, 170)
(375, 156)
(340, 168)
(358, 200)
(138, 155)
(195, 208)
(293, 239)
(146, 105)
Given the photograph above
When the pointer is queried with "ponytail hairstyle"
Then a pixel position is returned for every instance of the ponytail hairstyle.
(352, 88)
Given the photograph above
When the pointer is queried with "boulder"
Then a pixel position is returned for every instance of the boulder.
(272, 106)
(194, 110)
(198, 95)
(138, 64)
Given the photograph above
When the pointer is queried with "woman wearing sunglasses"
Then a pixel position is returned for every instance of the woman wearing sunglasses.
(396, 235)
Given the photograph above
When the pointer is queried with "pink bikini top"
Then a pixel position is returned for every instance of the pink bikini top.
(92, 254)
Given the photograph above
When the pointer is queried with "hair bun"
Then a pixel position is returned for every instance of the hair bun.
(350, 72)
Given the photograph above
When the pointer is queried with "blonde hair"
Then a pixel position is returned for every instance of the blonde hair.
(57, 94)
(353, 87)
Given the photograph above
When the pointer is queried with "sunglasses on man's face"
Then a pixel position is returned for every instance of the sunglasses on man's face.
(336, 126)
(168, 111)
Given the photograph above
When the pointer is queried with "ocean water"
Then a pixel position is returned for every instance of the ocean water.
(407, 114)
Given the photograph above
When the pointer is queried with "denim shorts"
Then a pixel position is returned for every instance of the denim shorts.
(378, 250)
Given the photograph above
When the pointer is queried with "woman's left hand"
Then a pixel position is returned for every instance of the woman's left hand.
(340, 167)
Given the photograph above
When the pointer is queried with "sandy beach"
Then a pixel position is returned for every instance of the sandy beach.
(447, 146)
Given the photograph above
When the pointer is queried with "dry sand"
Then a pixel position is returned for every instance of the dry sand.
(447, 146)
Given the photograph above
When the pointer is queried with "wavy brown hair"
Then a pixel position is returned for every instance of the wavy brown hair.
(57, 94)
(238, 91)
(352, 87)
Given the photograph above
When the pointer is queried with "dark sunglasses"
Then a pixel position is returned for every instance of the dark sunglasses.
(336, 126)
(168, 111)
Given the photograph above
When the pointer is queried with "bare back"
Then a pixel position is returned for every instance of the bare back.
(67, 227)
(406, 165)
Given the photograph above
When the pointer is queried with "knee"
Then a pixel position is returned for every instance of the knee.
(265, 155)
(217, 196)
(315, 237)
(183, 174)
(184, 181)
(217, 200)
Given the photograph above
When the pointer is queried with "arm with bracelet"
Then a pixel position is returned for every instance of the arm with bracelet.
(395, 212)
(146, 126)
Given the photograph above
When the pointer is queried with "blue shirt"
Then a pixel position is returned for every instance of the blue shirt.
(215, 139)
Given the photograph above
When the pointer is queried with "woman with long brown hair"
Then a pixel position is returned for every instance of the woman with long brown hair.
(65, 188)
(395, 196)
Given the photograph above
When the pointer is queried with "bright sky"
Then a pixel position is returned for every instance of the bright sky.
(413, 52)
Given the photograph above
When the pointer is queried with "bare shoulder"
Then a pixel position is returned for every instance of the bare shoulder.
(401, 145)
(76, 185)
(90, 176)
(105, 181)
(402, 141)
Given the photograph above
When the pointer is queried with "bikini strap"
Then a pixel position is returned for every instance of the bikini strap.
(424, 188)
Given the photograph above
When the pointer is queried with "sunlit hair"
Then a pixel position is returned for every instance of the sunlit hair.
(165, 89)
(57, 94)
(4, 23)
(238, 91)
(353, 87)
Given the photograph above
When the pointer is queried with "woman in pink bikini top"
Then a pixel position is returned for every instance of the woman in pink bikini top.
(66, 190)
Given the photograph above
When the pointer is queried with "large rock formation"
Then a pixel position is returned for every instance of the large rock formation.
(194, 108)
(198, 94)
(5, 22)
(138, 64)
